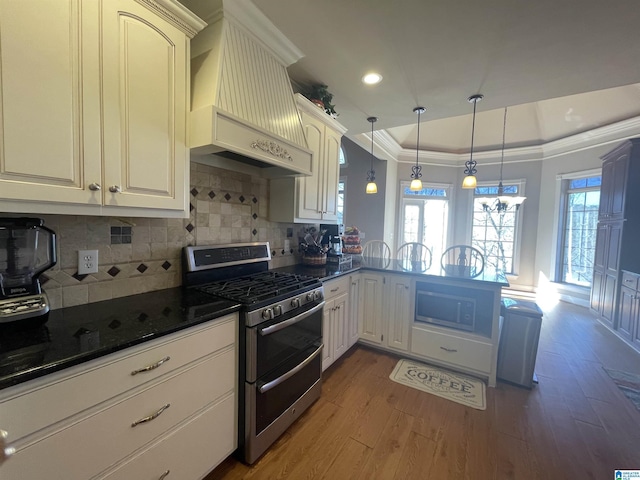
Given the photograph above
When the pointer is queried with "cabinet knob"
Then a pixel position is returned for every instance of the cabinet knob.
(94, 187)
(5, 450)
(115, 189)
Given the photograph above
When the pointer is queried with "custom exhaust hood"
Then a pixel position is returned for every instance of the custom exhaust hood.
(242, 103)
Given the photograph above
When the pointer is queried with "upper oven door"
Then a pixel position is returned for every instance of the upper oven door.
(272, 343)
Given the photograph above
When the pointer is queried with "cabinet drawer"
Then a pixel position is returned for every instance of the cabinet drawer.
(630, 280)
(188, 452)
(464, 352)
(336, 287)
(92, 445)
(60, 395)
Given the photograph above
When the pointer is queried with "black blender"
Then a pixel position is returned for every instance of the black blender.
(27, 248)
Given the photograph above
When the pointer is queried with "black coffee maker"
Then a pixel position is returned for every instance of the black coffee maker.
(333, 240)
(27, 248)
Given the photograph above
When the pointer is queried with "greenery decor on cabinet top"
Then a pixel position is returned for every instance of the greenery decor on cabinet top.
(319, 94)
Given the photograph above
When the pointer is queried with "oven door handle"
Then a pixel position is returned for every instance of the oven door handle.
(265, 387)
(279, 326)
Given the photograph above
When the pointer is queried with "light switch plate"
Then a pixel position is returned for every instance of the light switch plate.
(87, 261)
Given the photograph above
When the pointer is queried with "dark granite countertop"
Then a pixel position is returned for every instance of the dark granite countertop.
(323, 272)
(327, 272)
(77, 334)
(431, 272)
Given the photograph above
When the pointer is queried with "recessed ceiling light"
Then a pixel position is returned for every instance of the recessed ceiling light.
(372, 78)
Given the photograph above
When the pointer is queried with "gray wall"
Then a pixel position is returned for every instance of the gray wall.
(362, 210)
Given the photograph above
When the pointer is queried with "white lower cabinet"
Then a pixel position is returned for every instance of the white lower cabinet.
(371, 314)
(399, 307)
(452, 349)
(99, 434)
(386, 310)
(335, 325)
(186, 452)
(355, 308)
(385, 307)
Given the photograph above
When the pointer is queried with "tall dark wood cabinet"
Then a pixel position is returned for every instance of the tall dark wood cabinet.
(618, 236)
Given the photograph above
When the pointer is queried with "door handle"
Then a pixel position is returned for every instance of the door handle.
(291, 321)
(265, 387)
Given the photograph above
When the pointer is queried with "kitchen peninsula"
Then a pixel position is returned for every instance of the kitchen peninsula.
(391, 306)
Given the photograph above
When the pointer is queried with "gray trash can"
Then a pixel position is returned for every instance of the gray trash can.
(518, 345)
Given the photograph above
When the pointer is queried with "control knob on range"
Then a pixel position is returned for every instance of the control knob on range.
(295, 303)
(267, 314)
(317, 295)
(310, 297)
(277, 310)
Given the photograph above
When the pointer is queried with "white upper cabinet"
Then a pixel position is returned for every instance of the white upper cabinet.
(94, 100)
(313, 198)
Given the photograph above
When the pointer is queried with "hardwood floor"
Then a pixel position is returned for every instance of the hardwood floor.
(575, 424)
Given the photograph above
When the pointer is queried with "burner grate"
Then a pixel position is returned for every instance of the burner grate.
(259, 287)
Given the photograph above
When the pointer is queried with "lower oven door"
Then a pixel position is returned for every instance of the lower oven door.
(281, 341)
(274, 402)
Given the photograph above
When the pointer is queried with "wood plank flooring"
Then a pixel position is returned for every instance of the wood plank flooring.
(574, 424)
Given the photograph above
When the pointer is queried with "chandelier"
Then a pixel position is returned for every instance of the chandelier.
(502, 202)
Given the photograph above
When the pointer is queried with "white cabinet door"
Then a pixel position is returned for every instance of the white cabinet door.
(334, 322)
(354, 309)
(310, 193)
(370, 324)
(399, 311)
(327, 335)
(340, 331)
(331, 175)
(49, 52)
(312, 198)
(145, 103)
(93, 107)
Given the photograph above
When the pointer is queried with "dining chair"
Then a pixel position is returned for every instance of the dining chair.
(377, 249)
(462, 260)
(414, 252)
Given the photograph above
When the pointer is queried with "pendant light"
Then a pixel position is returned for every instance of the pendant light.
(469, 180)
(371, 174)
(416, 183)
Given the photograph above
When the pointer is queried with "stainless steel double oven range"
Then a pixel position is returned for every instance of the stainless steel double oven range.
(280, 361)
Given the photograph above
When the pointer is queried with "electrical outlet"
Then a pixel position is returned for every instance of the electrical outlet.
(87, 261)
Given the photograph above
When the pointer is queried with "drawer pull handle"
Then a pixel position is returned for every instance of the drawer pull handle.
(152, 416)
(452, 350)
(335, 289)
(153, 366)
(628, 280)
(164, 475)
(5, 450)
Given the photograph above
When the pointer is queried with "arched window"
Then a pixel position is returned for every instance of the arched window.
(342, 157)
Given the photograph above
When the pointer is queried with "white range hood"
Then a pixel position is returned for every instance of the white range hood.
(242, 104)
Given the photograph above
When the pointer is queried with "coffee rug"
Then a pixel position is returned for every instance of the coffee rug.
(628, 383)
(443, 383)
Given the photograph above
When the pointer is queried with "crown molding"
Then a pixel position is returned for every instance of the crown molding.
(176, 14)
(615, 132)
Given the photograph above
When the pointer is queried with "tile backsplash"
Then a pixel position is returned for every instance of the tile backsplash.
(137, 255)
